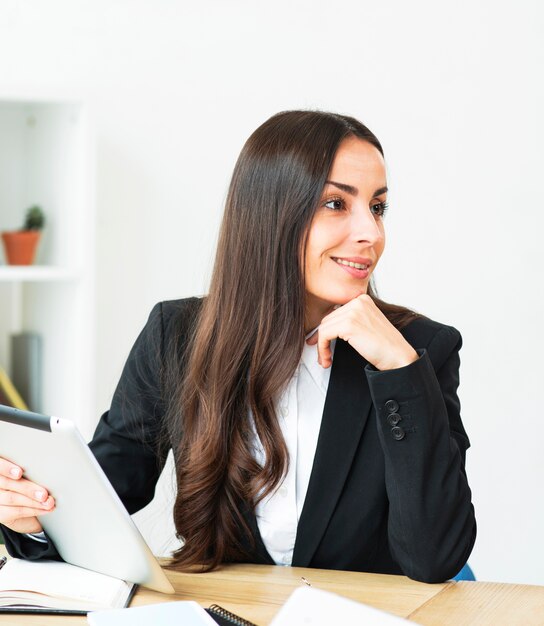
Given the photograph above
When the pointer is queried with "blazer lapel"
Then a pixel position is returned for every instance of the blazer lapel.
(346, 411)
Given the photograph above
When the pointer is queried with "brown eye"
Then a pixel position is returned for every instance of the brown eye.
(336, 204)
(379, 209)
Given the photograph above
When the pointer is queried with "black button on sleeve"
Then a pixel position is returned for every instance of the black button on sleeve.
(398, 433)
(394, 418)
(392, 406)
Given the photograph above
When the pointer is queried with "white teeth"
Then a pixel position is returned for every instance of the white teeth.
(351, 264)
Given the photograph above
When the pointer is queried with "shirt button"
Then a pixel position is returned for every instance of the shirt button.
(285, 559)
(284, 410)
(392, 406)
(283, 492)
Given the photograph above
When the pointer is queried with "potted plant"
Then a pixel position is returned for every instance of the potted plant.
(20, 245)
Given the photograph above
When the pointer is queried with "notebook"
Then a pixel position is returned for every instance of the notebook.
(57, 587)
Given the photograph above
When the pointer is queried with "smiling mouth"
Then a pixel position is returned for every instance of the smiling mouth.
(358, 266)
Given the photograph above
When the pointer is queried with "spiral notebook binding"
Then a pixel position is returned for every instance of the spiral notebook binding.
(236, 620)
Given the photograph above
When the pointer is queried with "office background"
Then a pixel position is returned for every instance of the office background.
(453, 91)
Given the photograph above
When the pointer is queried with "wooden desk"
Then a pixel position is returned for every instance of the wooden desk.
(257, 591)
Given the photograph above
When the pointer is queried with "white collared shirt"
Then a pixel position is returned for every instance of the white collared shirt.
(299, 410)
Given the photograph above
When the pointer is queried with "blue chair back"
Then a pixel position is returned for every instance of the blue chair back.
(465, 574)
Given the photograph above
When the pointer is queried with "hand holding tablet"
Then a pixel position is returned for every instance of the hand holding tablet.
(81, 512)
(21, 500)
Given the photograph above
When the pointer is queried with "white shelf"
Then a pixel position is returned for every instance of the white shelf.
(35, 273)
(46, 158)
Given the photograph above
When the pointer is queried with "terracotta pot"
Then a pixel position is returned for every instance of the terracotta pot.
(20, 246)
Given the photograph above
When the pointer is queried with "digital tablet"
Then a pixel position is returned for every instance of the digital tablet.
(90, 527)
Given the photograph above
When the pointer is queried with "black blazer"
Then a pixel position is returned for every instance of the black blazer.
(388, 491)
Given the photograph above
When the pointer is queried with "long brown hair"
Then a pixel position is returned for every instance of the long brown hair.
(249, 334)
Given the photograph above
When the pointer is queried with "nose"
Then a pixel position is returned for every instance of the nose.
(365, 227)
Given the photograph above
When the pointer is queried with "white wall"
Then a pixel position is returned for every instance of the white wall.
(454, 91)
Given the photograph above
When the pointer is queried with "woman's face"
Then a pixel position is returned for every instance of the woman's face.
(346, 237)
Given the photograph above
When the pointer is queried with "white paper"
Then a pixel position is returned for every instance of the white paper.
(184, 613)
(308, 606)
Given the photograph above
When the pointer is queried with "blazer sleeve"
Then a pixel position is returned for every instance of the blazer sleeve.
(127, 441)
(431, 523)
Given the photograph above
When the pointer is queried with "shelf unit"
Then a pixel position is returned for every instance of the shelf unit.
(46, 159)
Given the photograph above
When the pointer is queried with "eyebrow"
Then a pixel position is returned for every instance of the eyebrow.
(353, 190)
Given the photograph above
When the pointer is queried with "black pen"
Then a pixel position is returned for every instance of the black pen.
(3, 561)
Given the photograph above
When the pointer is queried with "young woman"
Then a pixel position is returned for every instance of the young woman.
(312, 424)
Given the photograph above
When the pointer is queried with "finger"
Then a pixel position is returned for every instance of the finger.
(10, 514)
(324, 355)
(26, 487)
(10, 469)
(12, 498)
